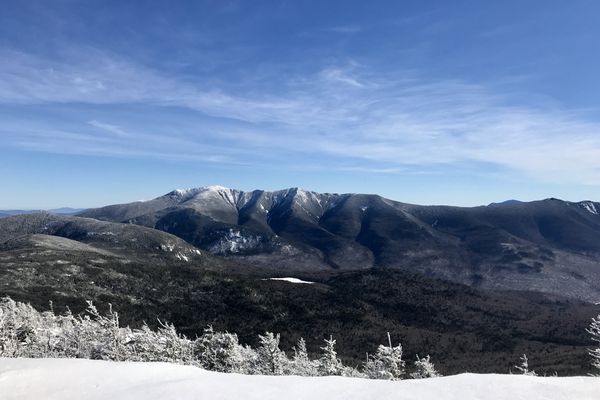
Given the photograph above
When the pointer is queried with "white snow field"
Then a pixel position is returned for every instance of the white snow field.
(75, 379)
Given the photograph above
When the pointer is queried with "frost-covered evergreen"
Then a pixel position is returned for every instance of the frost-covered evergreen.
(524, 367)
(221, 351)
(26, 332)
(594, 331)
(270, 360)
(301, 364)
(329, 363)
(424, 368)
(163, 344)
(18, 325)
(386, 363)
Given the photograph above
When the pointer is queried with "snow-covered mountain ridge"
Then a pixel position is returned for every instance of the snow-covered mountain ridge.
(545, 245)
(313, 203)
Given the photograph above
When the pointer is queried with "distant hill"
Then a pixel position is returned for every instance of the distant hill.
(59, 211)
(46, 238)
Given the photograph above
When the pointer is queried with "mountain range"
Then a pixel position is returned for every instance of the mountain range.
(58, 211)
(548, 246)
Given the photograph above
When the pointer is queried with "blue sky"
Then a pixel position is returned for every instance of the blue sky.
(431, 102)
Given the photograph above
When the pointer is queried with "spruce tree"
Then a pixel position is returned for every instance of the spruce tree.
(424, 368)
(301, 364)
(329, 363)
(524, 367)
(270, 359)
(386, 363)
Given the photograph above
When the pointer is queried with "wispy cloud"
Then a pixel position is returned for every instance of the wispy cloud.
(346, 29)
(371, 170)
(108, 128)
(340, 75)
(343, 113)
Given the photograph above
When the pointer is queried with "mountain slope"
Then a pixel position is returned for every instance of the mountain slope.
(548, 245)
(45, 236)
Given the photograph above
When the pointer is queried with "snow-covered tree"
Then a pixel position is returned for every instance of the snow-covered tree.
(524, 367)
(352, 372)
(271, 360)
(247, 357)
(329, 363)
(386, 363)
(220, 351)
(10, 328)
(424, 368)
(594, 331)
(301, 364)
(372, 368)
(26, 332)
(173, 347)
(104, 334)
(144, 345)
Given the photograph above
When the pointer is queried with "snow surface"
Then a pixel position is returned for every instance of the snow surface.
(182, 257)
(590, 207)
(291, 280)
(75, 379)
(167, 247)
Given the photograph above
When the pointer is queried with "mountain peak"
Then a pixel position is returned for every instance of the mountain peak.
(216, 188)
(191, 192)
(184, 193)
(506, 203)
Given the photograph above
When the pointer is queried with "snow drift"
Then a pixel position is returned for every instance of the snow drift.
(74, 379)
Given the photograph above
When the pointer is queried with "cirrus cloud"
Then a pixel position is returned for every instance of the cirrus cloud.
(388, 123)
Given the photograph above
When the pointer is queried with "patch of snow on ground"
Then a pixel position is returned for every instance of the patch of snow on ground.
(182, 257)
(235, 242)
(167, 247)
(75, 379)
(508, 246)
(590, 207)
(231, 196)
(289, 250)
(302, 195)
(184, 194)
(215, 188)
(93, 234)
(291, 280)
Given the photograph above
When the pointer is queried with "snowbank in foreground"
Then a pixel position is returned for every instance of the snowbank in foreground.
(74, 379)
